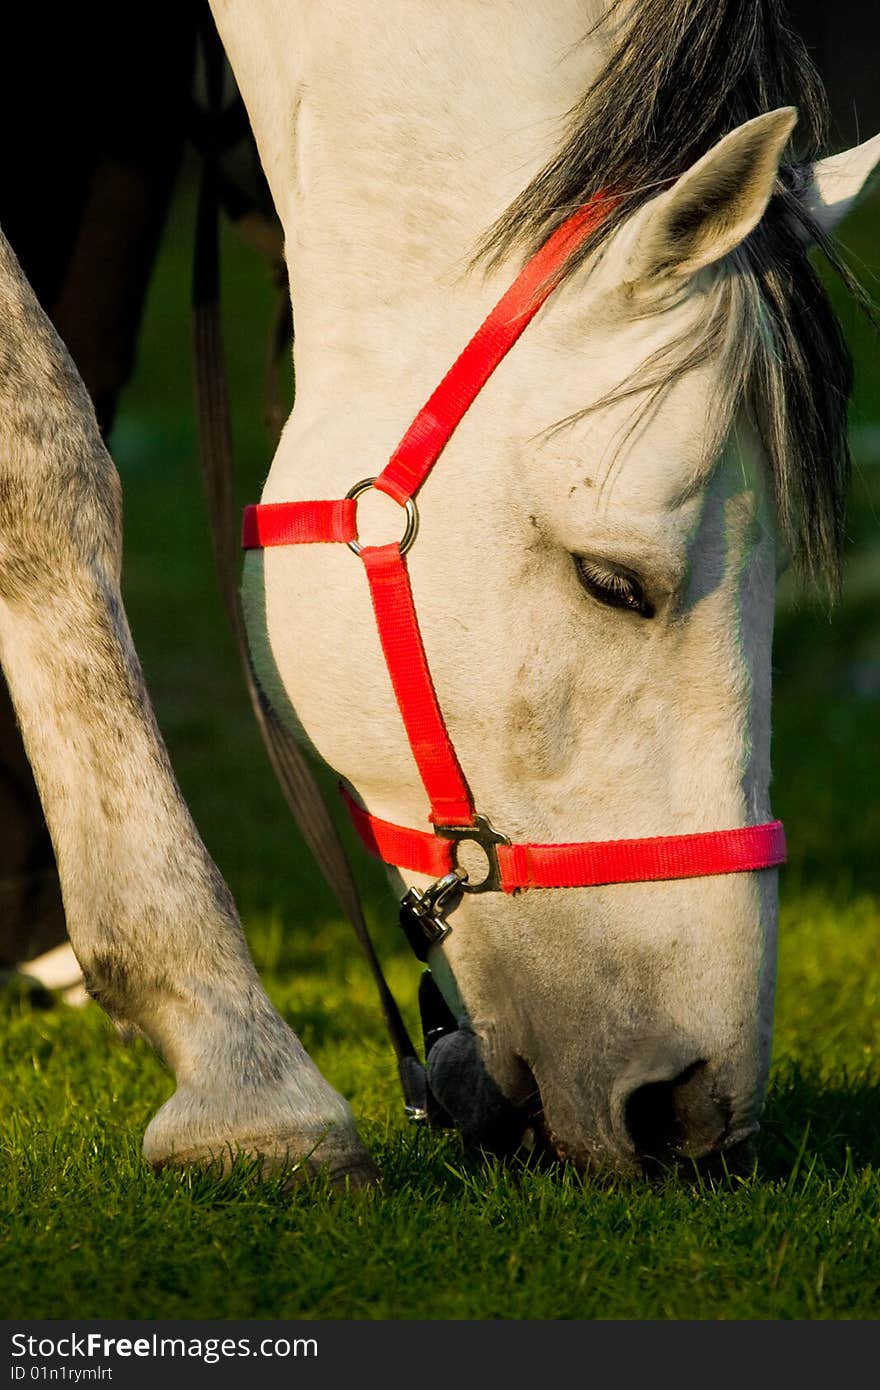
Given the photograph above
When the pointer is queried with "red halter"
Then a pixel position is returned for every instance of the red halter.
(511, 867)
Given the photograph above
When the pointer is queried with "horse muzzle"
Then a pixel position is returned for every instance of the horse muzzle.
(654, 1114)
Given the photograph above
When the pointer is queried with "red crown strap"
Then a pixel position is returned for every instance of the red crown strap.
(426, 437)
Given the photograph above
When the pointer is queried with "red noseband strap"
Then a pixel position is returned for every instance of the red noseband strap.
(583, 865)
(510, 867)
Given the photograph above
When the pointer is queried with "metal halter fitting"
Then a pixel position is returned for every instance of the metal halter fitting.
(483, 834)
(423, 914)
(412, 517)
(510, 867)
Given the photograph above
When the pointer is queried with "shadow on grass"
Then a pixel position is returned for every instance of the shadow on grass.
(811, 1121)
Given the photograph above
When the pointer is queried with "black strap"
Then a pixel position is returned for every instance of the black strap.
(294, 775)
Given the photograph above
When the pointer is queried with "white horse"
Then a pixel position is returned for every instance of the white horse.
(594, 573)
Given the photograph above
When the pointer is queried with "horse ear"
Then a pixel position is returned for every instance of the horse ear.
(838, 181)
(710, 209)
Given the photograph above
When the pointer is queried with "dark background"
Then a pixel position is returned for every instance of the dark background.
(844, 40)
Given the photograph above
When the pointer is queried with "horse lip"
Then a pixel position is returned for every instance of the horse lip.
(732, 1152)
(738, 1148)
(732, 1156)
(499, 1123)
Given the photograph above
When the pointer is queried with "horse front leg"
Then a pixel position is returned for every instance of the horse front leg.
(151, 920)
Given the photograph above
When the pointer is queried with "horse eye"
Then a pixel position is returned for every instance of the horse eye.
(616, 588)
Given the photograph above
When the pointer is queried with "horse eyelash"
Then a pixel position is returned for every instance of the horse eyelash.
(614, 588)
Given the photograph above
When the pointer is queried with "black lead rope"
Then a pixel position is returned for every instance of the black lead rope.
(293, 772)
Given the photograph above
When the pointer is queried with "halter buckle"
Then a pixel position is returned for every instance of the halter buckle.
(422, 914)
(482, 833)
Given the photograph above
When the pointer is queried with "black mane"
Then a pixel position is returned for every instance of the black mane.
(681, 74)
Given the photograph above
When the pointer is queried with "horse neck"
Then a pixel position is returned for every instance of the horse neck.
(392, 137)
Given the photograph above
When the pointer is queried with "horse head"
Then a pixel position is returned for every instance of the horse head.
(594, 578)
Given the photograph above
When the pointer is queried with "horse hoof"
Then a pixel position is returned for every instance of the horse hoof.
(298, 1164)
(350, 1174)
(181, 1135)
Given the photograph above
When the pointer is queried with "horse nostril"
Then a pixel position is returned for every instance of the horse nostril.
(679, 1118)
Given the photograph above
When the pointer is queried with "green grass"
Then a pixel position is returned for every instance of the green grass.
(86, 1230)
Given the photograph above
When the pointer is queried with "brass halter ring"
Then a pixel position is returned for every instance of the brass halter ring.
(412, 517)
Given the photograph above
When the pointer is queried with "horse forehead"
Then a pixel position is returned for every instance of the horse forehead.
(663, 490)
(657, 457)
(597, 348)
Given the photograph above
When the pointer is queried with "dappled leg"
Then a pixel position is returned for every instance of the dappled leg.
(151, 920)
